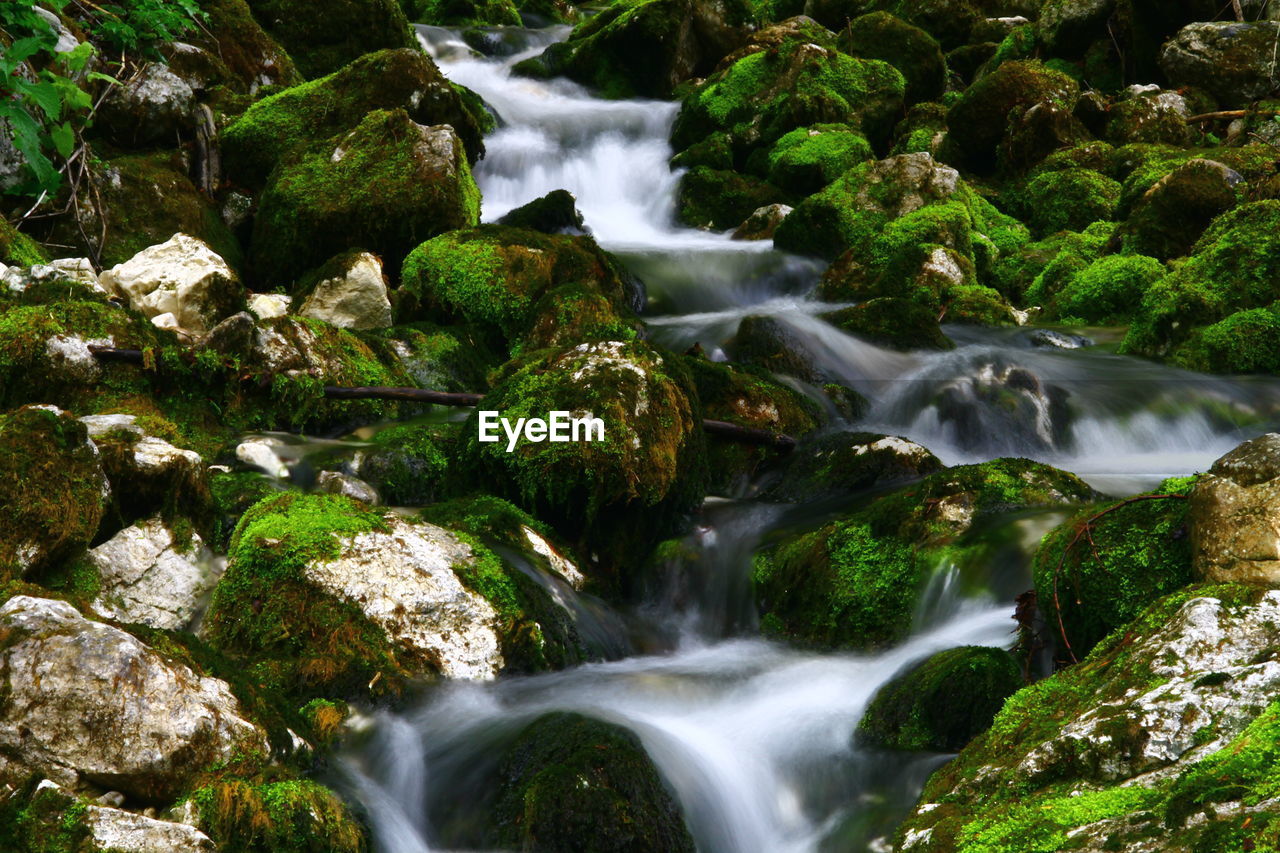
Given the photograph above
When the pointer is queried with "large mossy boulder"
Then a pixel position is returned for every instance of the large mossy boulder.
(646, 48)
(463, 13)
(910, 49)
(1101, 568)
(323, 37)
(512, 282)
(1168, 219)
(53, 491)
(1107, 292)
(845, 463)
(234, 50)
(980, 119)
(298, 116)
(572, 783)
(941, 703)
(324, 596)
(1069, 199)
(787, 82)
(1233, 61)
(18, 249)
(1164, 736)
(809, 158)
(1235, 266)
(721, 199)
(892, 322)
(384, 187)
(854, 583)
(619, 492)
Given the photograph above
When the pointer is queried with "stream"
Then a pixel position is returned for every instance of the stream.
(755, 739)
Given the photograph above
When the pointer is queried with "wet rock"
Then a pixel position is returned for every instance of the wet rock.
(722, 199)
(337, 483)
(1005, 400)
(892, 322)
(408, 464)
(769, 343)
(1235, 62)
(941, 703)
(401, 183)
(154, 105)
(348, 291)
(182, 277)
(234, 337)
(261, 453)
(53, 491)
(567, 777)
(846, 463)
(149, 576)
(555, 213)
(1235, 515)
(762, 223)
(71, 714)
(1050, 339)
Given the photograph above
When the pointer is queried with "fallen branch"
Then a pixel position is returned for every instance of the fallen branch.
(720, 429)
(1221, 114)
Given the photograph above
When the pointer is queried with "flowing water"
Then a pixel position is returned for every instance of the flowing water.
(756, 740)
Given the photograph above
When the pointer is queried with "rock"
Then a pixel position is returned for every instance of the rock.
(53, 491)
(770, 343)
(338, 599)
(154, 105)
(896, 323)
(267, 306)
(181, 276)
(1233, 520)
(762, 223)
(400, 183)
(408, 464)
(1234, 62)
(73, 715)
(1005, 400)
(1157, 117)
(1050, 339)
(336, 483)
(941, 703)
(1069, 27)
(348, 291)
(1107, 292)
(261, 453)
(460, 13)
(322, 39)
(1068, 200)
(648, 48)
(555, 213)
(1169, 218)
(1157, 727)
(16, 248)
(299, 116)
(234, 337)
(1136, 551)
(722, 199)
(149, 577)
(979, 119)
(126, 832)
(911, 50)
(846, 463)
(77, 271)
(237, 42)
(567, 777)
(809, 158)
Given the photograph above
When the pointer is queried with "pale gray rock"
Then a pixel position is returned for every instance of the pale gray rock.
(125, 832)
(147, 577)
(152, 106)
(1233, 61)
(1234, 517)
(351, 294)
(337, 483)
(89, 703)
(260, 452)
(762, 223)
(182, 277)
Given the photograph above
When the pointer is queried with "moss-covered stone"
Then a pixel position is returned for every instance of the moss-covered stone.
(461, 13)
(443, 358)
(571, 783)
(646, 48)
(323, 38)
(854, 583)
(501, 279)
(301, 115)
(1068, 200)
(1158, 118)
(17, 249)
(942, 703)
(979, 119)
(635, 484)
(808, 158)
(233, 493)
(288, 816)
(722, 200)
(910, 49)
(1168, 219)
(554, 213)
(52, 490)
(892, 322)
(1100, 569)
(924, 130)
(1107, 292)
(35, 819)
(579, 312)
(845, 463)
(409, 463)
(384, 187)
(230, 35)
(791, 84)
(1068, 253)
(1245, 342)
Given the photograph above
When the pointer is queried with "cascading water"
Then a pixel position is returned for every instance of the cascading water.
(755, 740)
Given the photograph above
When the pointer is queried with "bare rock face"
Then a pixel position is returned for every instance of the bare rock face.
(182, 277)
(1235, 515)
(156, 105)
(87, 702)
(149, 577)
(350, 293)
(119, 830)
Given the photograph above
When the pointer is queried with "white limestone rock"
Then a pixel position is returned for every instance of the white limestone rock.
(147, 577)
(351, 293)
(182, 277)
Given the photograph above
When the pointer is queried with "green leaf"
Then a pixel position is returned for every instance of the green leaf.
(64, 139)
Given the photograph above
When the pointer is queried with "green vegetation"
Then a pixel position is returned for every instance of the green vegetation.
(806, 159)
(1108, 291)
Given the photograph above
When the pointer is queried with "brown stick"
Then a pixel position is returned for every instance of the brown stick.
(1220, 114)
(721, 429)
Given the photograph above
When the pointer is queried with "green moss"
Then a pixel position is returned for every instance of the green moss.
(721, 200)
(409, 463)
(942, 703)
(1245, 342)
(911, 50)
(567, 778)
(1069, 254)
(893, 322)
(577, 313)
(1043, 826)
(1069, 200)
(291, 816)
(17, 249)
(1245, 770)
(389, 191)
(47, 820)
(1108, 291)
(323, 39)
(460, 13)
(281, 123)
(233, 494)
(1169, 218)
(806, 159)
(979, 119)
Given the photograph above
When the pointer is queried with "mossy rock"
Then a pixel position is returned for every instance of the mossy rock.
(442, 358)
(924, 130)
(1235, 266)
(554, 213)
(854, 583)
(234, 493)
(809, 158)
(1109, 291)
(892, 322)
(409, 463)
(1245, 342)
(617, 494)
(384, 187)
(796, 83)
(500, 279)
(323, 38)
(287, 816)
(978, 120)
(462, 13)
(1068, 254)
(941, 703)
(576, 313)
(646, 48)
(240, 46)
(572, 783)
(768, 343)
(178, 491)
(35, 819)
(846, 463)
(53, 491)
(301, 115)
(1068, 200)
(17, 249)
(721, 200)
(910, 49)
(1170, 217)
